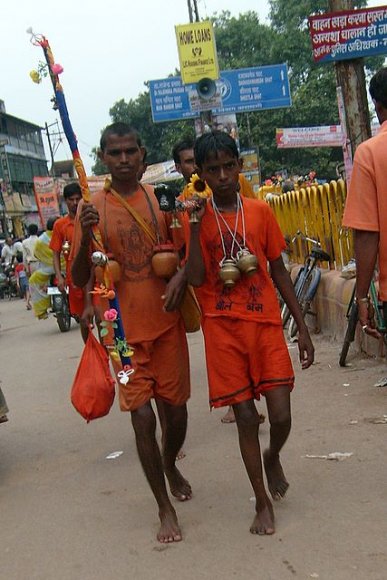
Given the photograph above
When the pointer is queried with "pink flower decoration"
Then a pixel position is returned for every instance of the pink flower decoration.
(57, 69)
(110, 315)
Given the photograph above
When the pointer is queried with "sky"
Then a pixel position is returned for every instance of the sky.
(107, 52)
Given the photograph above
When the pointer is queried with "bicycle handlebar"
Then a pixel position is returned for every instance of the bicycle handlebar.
(299, 233)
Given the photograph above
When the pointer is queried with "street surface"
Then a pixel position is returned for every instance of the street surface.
(69, 513)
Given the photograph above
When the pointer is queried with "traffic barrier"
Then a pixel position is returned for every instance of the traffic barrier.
(317, 211)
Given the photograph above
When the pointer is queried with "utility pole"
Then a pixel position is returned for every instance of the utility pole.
(51, 172)
(351, 78)
(205, 116)
(193, 10)
(58, 134)
(7, 183)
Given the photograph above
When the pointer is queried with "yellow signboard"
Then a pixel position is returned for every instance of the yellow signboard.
(197, 51)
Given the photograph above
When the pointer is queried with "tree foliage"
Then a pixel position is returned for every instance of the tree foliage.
(244, 41)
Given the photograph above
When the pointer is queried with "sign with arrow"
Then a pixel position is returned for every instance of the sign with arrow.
(241, 91)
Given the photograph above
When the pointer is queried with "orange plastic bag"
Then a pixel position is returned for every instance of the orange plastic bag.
(92, 393)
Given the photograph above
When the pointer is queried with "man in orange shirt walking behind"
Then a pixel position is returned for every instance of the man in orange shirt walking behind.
(62, 237)
(366, 208)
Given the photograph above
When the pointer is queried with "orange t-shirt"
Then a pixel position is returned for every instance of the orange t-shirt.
(63, 230)
(139, 289)
(366, 205)
(254, 297)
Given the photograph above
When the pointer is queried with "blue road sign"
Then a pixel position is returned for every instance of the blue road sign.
(240, 91)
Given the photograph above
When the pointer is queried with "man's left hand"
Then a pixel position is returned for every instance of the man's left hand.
(305, 348)
(174, 291)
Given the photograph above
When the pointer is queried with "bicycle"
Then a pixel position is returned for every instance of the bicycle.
(306, 282)
(353, 318)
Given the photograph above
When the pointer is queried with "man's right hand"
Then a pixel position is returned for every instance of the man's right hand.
(367, 319)
(61, 284)
(200, 208)
(88, 218)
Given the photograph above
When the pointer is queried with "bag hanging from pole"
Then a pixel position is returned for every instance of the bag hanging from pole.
(93, 390)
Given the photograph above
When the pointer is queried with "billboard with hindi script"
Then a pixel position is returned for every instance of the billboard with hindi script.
(349, 34)
(46, 198)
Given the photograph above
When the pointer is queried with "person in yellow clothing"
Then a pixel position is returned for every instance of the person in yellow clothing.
(40, 278)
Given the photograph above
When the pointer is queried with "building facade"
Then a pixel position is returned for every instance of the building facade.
(22, 157)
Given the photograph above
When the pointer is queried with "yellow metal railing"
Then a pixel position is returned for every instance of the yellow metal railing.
(316, 211)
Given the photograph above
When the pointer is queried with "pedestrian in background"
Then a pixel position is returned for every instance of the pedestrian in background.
(366, 208)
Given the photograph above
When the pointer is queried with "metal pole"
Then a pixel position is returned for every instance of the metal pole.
(190, 11)
(52, 171)
(249, 141)
(196, 10)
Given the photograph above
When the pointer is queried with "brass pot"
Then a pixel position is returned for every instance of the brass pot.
(229, 273)
(66, 248)
(247, 263)
(165, 260)
(114, 269)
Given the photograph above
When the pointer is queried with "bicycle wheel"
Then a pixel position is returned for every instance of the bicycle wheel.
(293, 328)
(305, 297)
(297, 284)
(285, 315)
(350, 333)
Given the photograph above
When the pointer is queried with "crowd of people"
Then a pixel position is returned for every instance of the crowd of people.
(246, 354)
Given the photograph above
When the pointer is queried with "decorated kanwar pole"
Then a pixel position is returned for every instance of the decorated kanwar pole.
(120, 350)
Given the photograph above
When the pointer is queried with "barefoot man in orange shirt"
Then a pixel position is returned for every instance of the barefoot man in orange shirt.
(153, 326)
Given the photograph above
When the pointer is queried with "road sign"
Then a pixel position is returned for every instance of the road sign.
(348, 35)
(241, 90)
(322, 136)
(197, 51)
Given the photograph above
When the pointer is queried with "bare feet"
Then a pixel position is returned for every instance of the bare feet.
(263, 523)
(180, 488)
(276, 479)
(229, 417)
(180, 455)
(169, 529)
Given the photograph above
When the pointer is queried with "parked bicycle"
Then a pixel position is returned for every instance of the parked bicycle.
(353, 318)
(306, 282)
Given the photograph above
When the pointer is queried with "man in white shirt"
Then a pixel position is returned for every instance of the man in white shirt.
(28, 245)
(7, 254)
(29, 260)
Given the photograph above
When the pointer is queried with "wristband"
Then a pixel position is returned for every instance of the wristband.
(365, 300)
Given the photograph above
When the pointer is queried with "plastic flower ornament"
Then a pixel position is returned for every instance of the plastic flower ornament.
(102, 292)
(35, 76)
(110, 315)
(198, 187)
(57, 68)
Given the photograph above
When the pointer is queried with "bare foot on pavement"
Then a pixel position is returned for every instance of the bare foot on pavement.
(263, 523)
(276, 479)
(180, 488)
(169, 529)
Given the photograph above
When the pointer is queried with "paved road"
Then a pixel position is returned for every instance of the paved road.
(68, 513)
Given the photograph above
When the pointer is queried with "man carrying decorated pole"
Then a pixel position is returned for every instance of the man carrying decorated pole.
(133, 228)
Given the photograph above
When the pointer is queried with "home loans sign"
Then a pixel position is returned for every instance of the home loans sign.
(350, 34)
(197, 51)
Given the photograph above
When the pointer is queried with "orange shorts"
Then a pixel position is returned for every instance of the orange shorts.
(76, 300)
(161, 371)
(244, 359)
